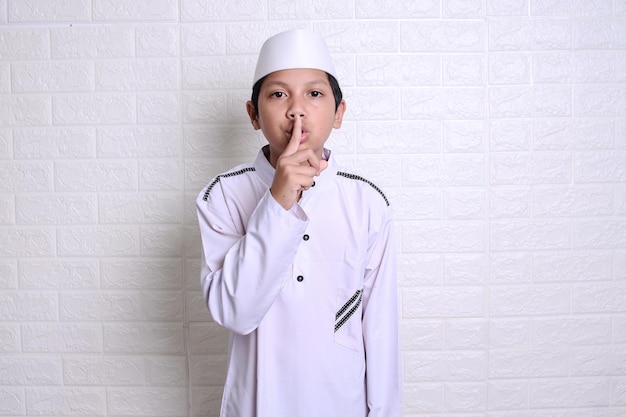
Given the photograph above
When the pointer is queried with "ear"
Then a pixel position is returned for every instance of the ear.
(341, 110)
(254, 117)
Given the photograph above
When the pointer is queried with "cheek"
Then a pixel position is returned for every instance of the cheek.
(264, 119)
(333, 119)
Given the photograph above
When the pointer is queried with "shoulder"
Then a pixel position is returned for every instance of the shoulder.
(368, 187)
(237, 173)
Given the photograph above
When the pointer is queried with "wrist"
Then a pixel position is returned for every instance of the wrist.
(285, 200)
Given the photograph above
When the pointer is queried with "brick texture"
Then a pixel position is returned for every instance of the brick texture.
(497, 128)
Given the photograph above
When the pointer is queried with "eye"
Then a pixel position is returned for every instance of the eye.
(316, 94)
(277, 94)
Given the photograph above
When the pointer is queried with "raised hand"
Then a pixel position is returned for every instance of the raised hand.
(295, 169)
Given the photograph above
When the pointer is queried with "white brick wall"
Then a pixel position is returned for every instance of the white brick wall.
(496, 127)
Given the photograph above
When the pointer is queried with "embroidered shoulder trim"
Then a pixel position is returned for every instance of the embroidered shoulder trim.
(219, 178)
(359, 178)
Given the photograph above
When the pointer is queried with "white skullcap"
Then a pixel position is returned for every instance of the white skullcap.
(293, 49)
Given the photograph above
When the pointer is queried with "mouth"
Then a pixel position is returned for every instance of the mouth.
(303, 135)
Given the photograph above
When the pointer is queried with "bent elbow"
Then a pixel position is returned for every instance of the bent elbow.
(242, 330)
(234, 322)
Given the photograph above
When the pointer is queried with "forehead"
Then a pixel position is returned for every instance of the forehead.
(297, 77)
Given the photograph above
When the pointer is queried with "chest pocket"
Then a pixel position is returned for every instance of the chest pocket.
(348, 329)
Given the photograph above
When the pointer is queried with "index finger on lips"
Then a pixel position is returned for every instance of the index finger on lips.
(296, 136)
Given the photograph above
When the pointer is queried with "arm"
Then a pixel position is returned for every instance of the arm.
(243, 273)
(380, 326)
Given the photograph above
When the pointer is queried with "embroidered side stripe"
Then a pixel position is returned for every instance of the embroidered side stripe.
(219, 177)
(359, 178)
(352, 305)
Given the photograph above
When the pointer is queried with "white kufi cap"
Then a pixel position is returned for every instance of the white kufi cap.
(293, 49)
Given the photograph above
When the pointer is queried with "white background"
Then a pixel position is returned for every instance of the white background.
(497, 128)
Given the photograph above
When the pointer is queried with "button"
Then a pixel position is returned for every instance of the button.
(300, 278)
(305, 237)
(313, 185)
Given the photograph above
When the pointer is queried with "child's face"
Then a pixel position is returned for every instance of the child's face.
(304, 92)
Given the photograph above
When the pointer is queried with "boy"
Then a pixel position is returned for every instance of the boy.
(299, 260)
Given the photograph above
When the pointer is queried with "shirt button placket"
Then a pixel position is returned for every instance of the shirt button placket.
(300, 278)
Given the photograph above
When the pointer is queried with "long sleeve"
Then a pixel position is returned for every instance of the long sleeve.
(380, 326)
(245, 266)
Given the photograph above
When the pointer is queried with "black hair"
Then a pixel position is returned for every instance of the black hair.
(334, 85)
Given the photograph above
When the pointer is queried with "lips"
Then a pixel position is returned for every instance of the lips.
(304, 135)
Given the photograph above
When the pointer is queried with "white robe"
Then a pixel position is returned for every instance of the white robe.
(309, 294)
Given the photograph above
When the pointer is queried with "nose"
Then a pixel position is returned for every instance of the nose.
(296, 108)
